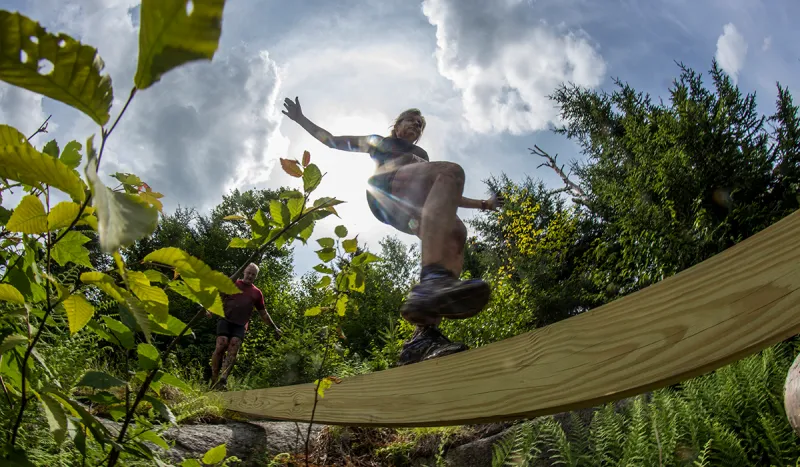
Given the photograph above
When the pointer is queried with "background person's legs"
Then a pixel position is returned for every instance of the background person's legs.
(230, 357)
(217, 356)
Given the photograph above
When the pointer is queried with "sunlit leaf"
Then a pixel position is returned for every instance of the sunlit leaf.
(206, 297)
(27, 165)
(291, 167)
(279, 212)
(314, 311)
(29, 216)
(295, 206)
(153, 298)
(350, 245)
(56, 66)
(9, 293)
(70, 249)
(79, 312)
(239, 243)
(11, 136)
(169, 37)
(234, 217)
(215, 455)
(123, 218)
(172, 327)
(148, 356)
(326, 383)
(105, 283)
(341, 304)
(189, 266)
(365, 258)
(311, 178)
(100, 380)
(156, 276)
(62, 214)
(127, 178)
(152, 198)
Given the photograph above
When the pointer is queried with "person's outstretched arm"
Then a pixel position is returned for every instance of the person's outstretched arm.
(491, 204)
(343, 143)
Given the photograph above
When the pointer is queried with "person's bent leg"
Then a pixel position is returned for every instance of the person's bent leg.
(230, 357)
(216, 357)
(437, 187)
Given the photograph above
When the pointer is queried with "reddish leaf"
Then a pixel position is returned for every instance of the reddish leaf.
(292, 167)
(306, 158)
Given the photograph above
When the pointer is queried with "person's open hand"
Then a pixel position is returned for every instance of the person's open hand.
(293, 109)
(495, 202)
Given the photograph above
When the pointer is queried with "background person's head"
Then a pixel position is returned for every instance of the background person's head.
(409, 125)
(250, 274)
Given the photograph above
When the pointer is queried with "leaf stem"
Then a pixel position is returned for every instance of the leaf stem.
(42, 129)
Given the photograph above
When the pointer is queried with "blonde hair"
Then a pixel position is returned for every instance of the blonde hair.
(409, 113)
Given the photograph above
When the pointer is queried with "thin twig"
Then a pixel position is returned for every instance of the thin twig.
(42, 129)
(551, 162)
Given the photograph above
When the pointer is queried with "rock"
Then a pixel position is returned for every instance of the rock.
(252, 442)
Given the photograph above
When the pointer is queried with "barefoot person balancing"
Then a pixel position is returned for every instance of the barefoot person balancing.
(418, 197)
(231, 329)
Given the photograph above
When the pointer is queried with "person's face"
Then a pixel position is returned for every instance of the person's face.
(409, 128)
(249, 275)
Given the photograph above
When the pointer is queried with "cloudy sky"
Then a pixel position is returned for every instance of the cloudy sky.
(480, 70)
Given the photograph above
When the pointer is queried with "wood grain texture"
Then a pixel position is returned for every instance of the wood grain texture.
(732, 305)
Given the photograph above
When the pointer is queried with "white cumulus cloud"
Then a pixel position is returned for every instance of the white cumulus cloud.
(505, 62)
(731, 51)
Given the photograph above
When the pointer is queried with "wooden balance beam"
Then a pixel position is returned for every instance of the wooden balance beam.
(732, 305)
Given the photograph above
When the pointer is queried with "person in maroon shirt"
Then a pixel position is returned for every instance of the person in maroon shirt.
(231, 329)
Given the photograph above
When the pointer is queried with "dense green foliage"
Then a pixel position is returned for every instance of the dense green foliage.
(103, 296)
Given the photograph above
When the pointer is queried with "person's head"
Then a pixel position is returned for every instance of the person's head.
(250, 273)
(409, 125)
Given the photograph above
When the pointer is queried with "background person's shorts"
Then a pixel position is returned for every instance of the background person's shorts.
(228, 329)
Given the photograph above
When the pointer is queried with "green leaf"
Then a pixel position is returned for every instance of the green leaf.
(154, 438)
(122, 218)
(172, 327)
(162, 409)
(51, 148)
(323, 269)
(156, 276)
(71, 156)
(325, 384)
(56, 418)
(29, 216)
(62, 214)
(70, 249)
(215, 455)
(314, 311)
(279, 213)
(234, 217)
(295, 206)
(350, 246)
(238, 243)
(27, 165)
(79, 312)
(340, 231)
(191, 463)
(154, 299)
(326, 242)
(105, 283)
(166, 378)
(11, 341)
(11, 136)
(74, 78)
(207, 297)
(148, 356)
(365, 258)
(121, 332)
(326, 254)
(191, 267)
(324, 281)
(100, 380)
(341, 304)
(311, 178)
(169, 37)
(9, 293)
(290, 194)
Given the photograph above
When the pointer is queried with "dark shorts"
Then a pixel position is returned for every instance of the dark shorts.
(382, 183)
(228, 329)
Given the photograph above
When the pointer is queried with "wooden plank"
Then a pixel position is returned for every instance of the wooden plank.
(732, 305)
